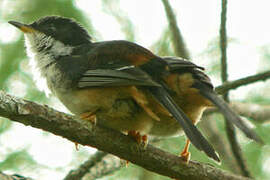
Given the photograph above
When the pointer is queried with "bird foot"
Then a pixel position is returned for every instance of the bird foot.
(185, 154)
(89, 116)
(140, 139)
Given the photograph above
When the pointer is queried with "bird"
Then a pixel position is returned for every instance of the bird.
(123, 86)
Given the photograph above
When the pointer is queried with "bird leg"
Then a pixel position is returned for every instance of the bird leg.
(140, 139)
(185, 154)
(89, 116)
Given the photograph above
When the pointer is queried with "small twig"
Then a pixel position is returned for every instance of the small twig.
(229, 85)
(13, 177)
(85, 167)
(177, 39)
(114, 142)
(107, 166)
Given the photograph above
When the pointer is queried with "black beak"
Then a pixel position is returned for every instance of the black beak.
(23, 27)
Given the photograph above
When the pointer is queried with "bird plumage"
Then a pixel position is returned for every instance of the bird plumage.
(125, 85)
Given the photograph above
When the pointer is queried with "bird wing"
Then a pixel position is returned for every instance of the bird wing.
(124, 76)
(205, 87)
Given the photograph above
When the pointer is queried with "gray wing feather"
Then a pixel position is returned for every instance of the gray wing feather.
(118, 77)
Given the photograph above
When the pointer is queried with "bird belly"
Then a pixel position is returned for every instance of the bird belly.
(113, 106)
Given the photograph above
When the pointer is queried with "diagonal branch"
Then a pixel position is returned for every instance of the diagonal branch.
(241, 82)
(107, 166)
(151, 158)
(178, 41)
(85, 167)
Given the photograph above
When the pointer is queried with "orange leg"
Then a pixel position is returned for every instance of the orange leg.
(89, 116)
(185, 154)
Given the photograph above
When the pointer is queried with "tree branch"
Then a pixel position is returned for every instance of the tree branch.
(223, 42)
(178, 41)
(107, 166)
(229, 85)
(4, 176)
(85, 167)
(259, 113)
(224, 76)
(83, 132)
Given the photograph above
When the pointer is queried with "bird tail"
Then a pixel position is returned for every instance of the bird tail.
(193, 134)
(229, 114)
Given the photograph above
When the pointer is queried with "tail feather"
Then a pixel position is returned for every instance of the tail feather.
(229, 113)
(193, 134)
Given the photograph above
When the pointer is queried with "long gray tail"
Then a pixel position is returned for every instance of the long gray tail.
(193, 134)
(229, 113)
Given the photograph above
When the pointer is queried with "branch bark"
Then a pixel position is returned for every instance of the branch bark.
(82, 132)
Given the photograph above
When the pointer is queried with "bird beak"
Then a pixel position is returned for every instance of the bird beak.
(23, 27)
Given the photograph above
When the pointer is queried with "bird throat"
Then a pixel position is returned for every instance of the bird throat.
(44, 50)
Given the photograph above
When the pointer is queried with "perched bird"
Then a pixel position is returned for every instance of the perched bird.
(122, 85)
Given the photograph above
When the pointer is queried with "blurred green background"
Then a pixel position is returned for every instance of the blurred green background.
(41, 155)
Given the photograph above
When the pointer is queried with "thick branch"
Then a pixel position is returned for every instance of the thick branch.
(241, 82)
(151, 158)
(178, 41)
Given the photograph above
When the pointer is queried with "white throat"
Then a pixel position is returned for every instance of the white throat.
(43, 50)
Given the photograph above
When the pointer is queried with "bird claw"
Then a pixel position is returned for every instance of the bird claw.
(89, 116)
(185, 154)
(140, 139)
